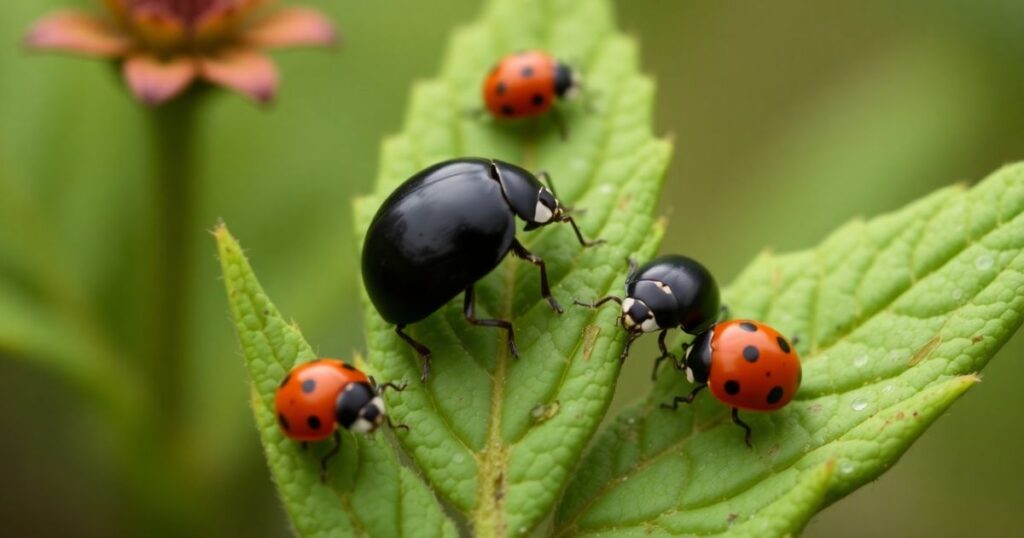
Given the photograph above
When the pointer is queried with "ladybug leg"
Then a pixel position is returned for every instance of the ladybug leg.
(579, 234)
(396, 425)
(477, 113)
(559, 121)
(545, 291)
(421, 350)
(588, 99)
(723, 313)
(688, 399)
(736, 420)
(665, 354)
(469, 312)
(380, 388)
(330, 454)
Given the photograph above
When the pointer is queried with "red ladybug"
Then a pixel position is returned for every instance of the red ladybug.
(318, 397)
(527, 83)
(747, 364)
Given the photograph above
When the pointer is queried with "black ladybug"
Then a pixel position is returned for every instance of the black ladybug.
(667, 292)
(447, 227)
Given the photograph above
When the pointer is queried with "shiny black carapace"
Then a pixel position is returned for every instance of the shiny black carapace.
(445, 228)
(667, 292)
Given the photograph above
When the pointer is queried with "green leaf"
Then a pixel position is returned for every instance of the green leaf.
(894, 315)
(497, 437)
(369, 493)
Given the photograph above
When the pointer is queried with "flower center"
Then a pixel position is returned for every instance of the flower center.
(186, 11)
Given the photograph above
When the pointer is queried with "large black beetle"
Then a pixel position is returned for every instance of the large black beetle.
(445, 228)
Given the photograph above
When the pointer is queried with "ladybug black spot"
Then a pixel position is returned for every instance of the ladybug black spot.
(783, 344)
(308, 386)
(732, 387)
(313, 422)
(751, 354)
(538, 99)
(286, 379)
(775, 394)
(527, 72)
(508, 110)
(347, 366)
(282, 421)
(748, 326)
(501, 88)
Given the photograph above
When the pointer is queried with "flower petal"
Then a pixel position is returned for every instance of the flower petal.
(243, 70)
(76, 32)
(293, 27)
(155, 81)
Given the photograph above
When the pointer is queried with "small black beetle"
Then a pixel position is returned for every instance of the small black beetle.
(447, 227)
(667, 292)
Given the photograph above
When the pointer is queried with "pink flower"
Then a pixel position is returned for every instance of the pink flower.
(166, 45)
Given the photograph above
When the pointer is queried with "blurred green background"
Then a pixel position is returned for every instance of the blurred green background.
(789, 118)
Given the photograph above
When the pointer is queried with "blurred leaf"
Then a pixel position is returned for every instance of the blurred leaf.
(894, 316)
(474, 435)
(368, 493)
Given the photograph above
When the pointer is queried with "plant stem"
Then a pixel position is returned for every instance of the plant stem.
(175, 142)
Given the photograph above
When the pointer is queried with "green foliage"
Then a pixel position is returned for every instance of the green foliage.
(368, 493)
(894, 315)
(497, 437)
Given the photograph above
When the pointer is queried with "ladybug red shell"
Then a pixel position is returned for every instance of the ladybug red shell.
(526, 84)
(753, 367)
(318, 396)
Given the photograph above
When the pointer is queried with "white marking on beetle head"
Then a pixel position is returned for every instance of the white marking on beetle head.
(542, 213)
(362, 425)
(575, 87)
(649, 325)
(627, 303)
(378, 402)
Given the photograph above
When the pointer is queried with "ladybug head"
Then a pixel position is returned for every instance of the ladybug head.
(359, 408)
(637, 317)
(567, 82)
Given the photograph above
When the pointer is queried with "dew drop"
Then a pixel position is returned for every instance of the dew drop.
(606, 188)
(984, 262)
(859, 404)
(458, 458)
(523, 530)
(888, 388)
(958, 294)
(860, 360)
(847, 467)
